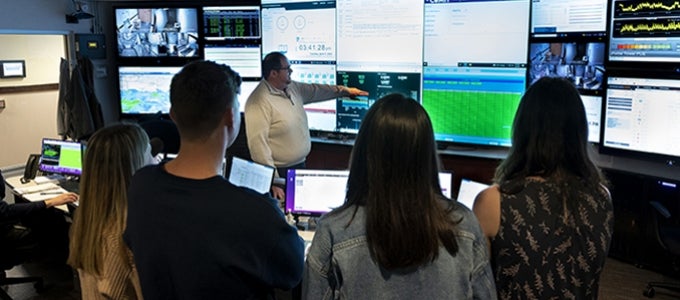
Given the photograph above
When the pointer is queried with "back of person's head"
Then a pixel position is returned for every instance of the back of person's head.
(394, 174)
(112, 156)
(271, 62)
(200, 94)
(549, 134)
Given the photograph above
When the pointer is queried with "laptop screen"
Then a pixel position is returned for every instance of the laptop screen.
(468, 191)
(61, 157)
(251, 175)
(315, 192)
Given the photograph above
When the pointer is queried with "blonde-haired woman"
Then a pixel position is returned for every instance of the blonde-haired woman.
(105, 265)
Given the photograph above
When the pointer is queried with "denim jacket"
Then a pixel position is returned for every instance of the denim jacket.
(339, 265)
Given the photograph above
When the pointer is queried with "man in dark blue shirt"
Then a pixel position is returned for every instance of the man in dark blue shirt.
(193, 234)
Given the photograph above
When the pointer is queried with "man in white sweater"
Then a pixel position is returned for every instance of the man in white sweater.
(276, 122)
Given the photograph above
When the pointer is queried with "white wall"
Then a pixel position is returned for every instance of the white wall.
(30, 116)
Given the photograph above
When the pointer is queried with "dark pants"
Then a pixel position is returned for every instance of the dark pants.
(283, 171)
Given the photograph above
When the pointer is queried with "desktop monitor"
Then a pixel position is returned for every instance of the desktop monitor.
(641, 117)
(316, 192)
(61, 157)
(157, 31)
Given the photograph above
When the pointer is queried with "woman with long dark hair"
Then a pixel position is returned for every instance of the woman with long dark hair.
(397, 236)
(549, 216)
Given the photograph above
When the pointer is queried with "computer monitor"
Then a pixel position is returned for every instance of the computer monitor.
(574, 18)
(316, 192)
(156, 31)
(644, 32)
(640, 117)
(61, 157)
(145, 90)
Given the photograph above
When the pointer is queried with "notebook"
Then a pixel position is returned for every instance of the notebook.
(252, 175)
(315, 192)
(468, 191)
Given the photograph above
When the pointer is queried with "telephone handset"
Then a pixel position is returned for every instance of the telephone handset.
(31, 168)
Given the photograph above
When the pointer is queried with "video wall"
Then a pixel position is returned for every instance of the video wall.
(467, 62)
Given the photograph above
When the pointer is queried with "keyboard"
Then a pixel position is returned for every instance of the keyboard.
(70, 185)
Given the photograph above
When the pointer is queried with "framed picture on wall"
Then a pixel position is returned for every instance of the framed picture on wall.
(12, 68)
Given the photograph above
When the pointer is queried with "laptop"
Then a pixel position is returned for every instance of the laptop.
(252, 175)
(316, 192)
(468, 191)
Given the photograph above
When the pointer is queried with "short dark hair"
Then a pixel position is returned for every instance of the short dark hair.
(394, 174)
(200, 94)
(271, 61)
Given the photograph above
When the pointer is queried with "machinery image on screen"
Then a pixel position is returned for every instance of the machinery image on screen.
(581, 63)
(350, 111)
(644, 31)
(640, 117)
(157, 32)
(145, 90)
(61, 157)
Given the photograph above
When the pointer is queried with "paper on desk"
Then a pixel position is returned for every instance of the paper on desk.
(33, 189)
(35, 197)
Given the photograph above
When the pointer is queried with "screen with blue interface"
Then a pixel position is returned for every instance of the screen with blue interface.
(145, 90)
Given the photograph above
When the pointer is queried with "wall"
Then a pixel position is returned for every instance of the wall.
(29, 116)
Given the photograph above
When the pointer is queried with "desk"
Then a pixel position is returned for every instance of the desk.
(16, 185)
(50, 227)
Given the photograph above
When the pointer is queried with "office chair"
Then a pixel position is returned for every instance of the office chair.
(16, 247)
(669, 238)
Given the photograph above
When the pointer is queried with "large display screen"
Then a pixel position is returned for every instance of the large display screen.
(157, 32)
(644, 31)
(641, 116)
(145, 90)
(559, 18)
(472, 90)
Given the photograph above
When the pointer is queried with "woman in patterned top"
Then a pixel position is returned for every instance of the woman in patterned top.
(105, 265)
(549, 216)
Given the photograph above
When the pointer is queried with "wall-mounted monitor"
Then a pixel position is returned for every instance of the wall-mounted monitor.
(641, 117)
(644, 31)
(246, 59)
(302, 30)
(471, 90)
(580, 62)
(351, 111)
(145, 90)
(231, 22)
(157, 31)
(573, 18)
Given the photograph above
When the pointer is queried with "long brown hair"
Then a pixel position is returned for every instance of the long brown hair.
(394, 175)
(112, 156)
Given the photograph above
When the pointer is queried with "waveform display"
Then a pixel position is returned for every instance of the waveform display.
(663, 27)
(646, 8)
